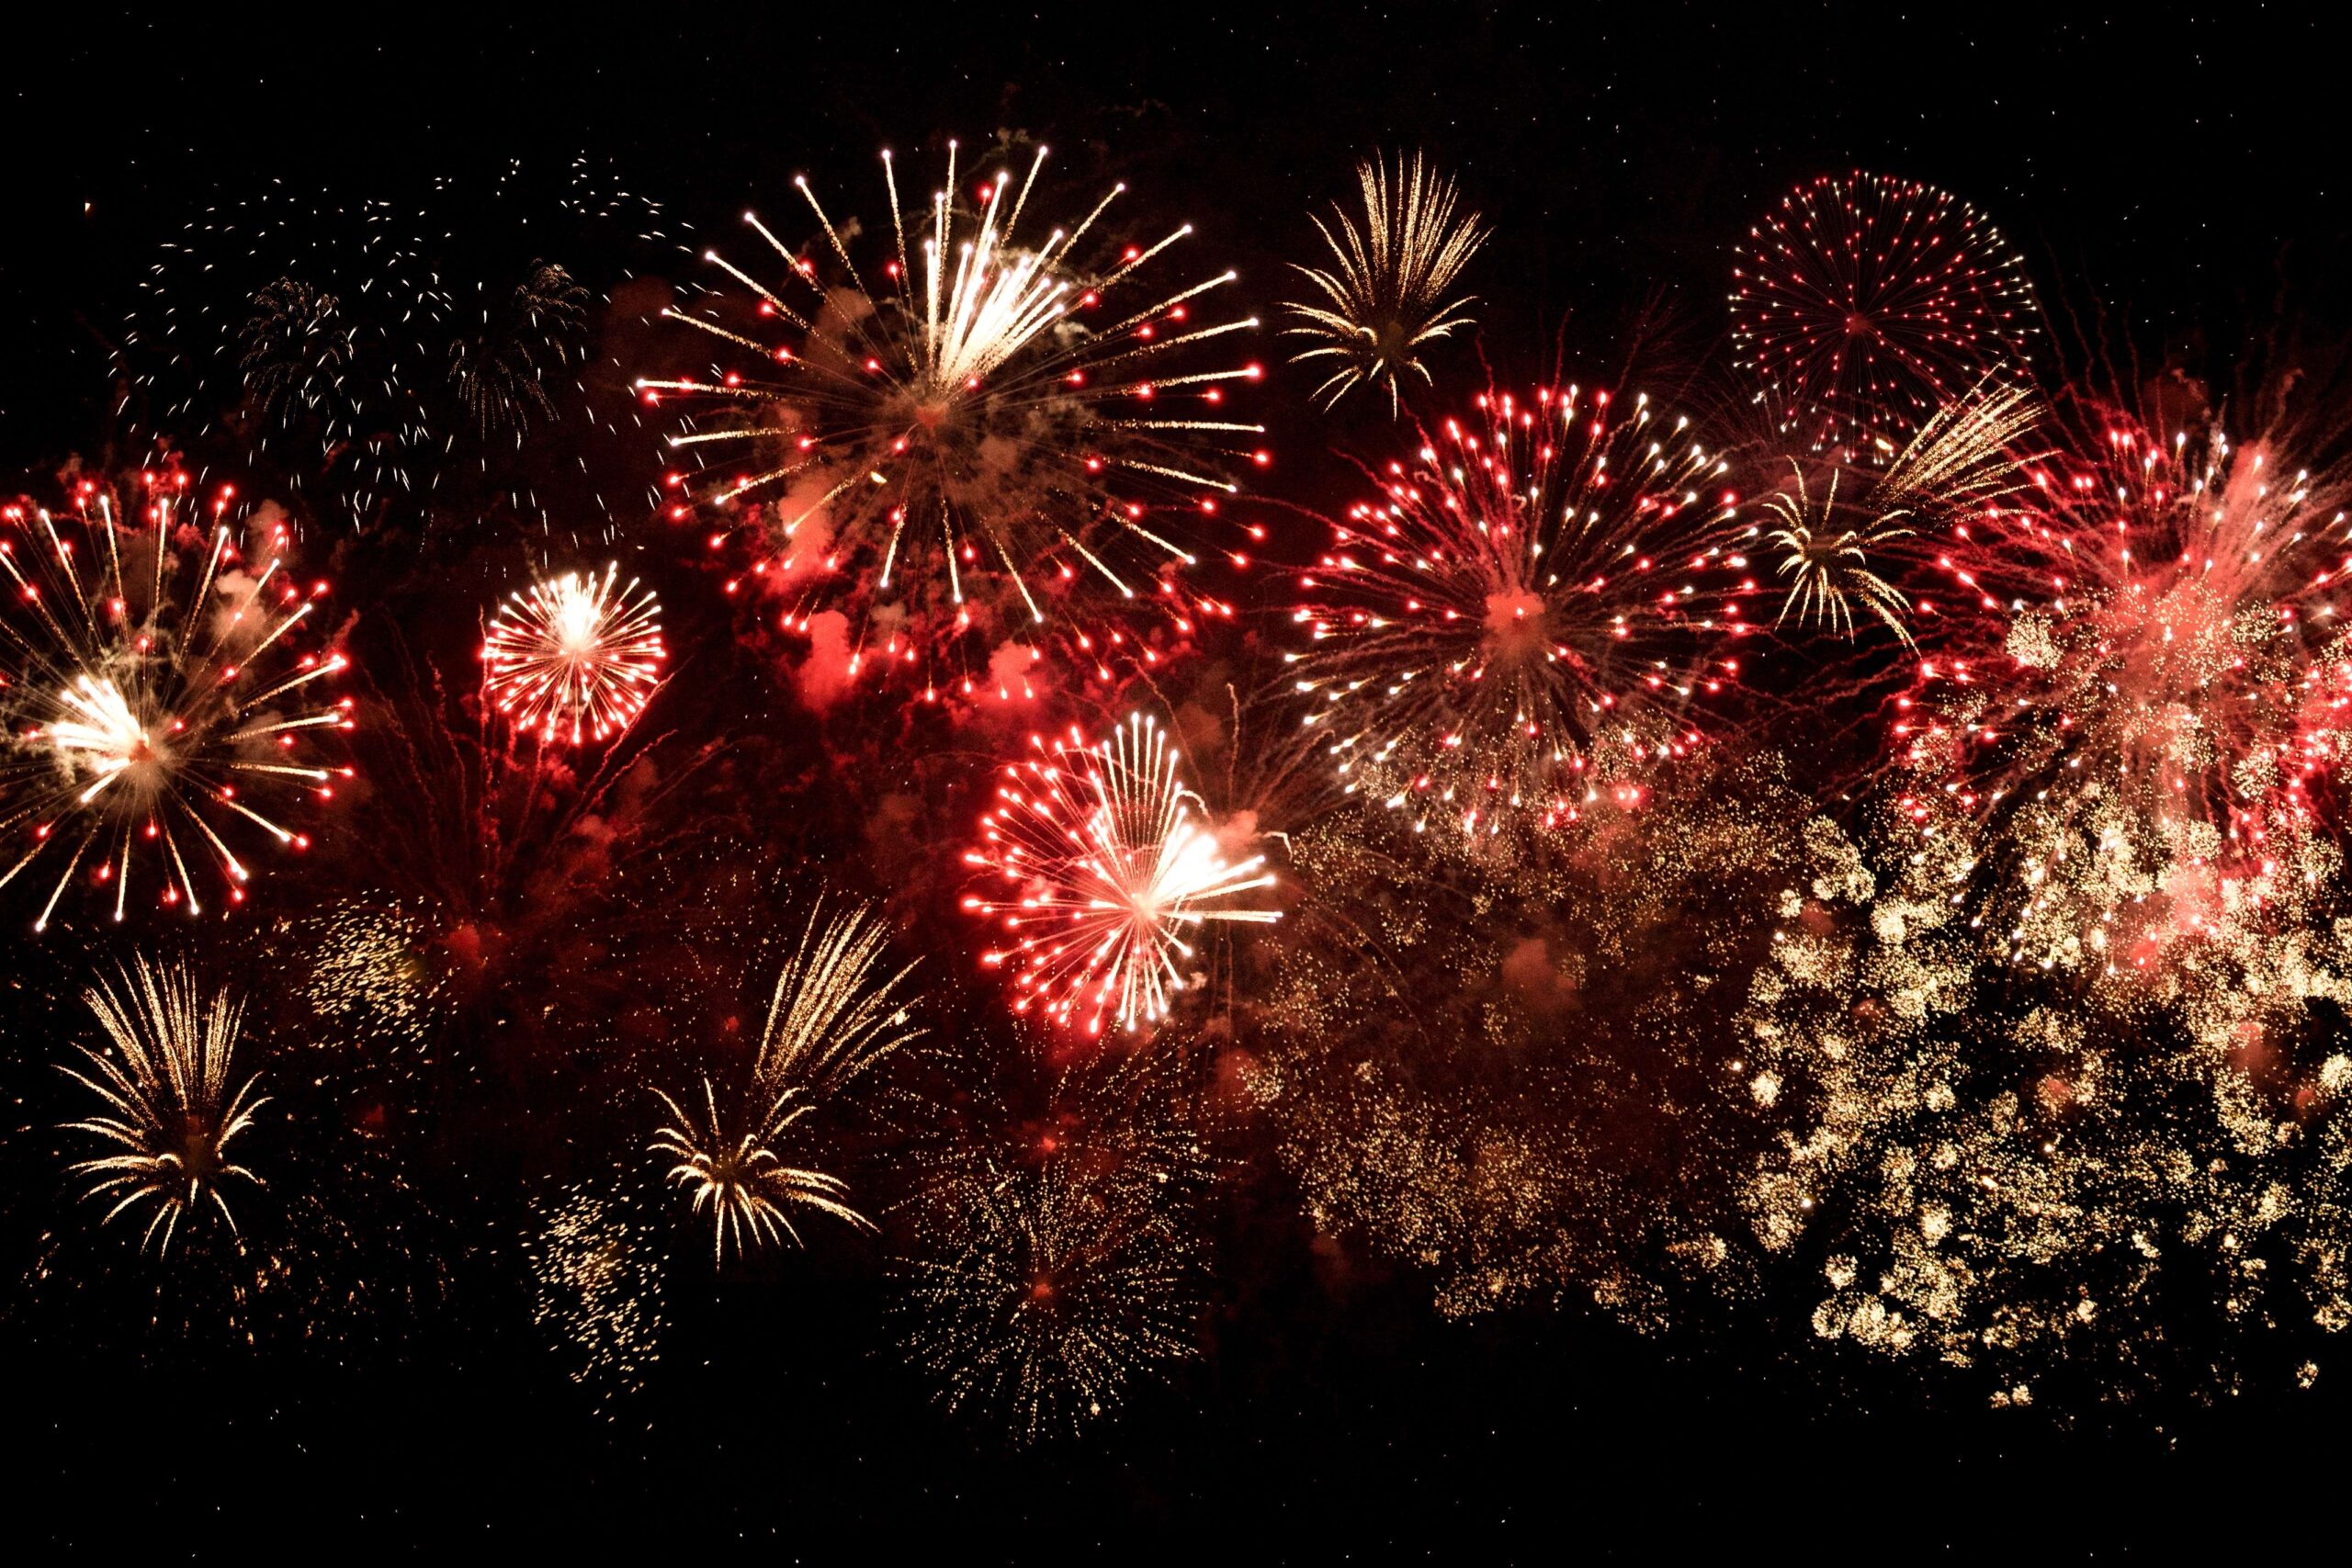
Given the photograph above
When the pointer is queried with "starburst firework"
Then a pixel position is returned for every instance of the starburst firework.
(1862, 304)
(170, 1112)
(835, 1013)
(158, 706)
(1388, 291)
(1530, 614)
(978, 438)
(1107, 864)
(576, 658)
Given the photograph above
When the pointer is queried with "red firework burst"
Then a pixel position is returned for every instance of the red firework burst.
(1531, 615)
(1863, 303)
(2137, 674)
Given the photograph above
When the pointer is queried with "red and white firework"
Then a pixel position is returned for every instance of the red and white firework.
(574, 658)
(1862, 303)
(1108, 866)
(996, 434)
(1533, 614)
(163, 702)
(2135, 673)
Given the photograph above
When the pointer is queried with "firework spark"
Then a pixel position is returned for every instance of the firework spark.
(157, 703)
(735, 1177)
(576, 657)
(835, 1013)
(1388, 291)
(1863, 303)
(974, 439)
(1528, 615)
(2136, 670)
(1833, 550)
(1105, 847)
(1062, 1264)
(169, 1110)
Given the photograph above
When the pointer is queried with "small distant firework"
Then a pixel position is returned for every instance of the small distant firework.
(500, 373)
(171, 1111)
(157, 702)
(575, 658)
(974, 439)
(835, 1013)
(1107, 865)
(596, 1286)
(2136, 674)
(1863, 303)
(1388, 290)
(1834, 549)
(1531, 613)
(1063, 1264)
(735, 1177)
(365, 348)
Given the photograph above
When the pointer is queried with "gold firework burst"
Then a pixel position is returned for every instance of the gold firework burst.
(169, 1112)
(1388, 291)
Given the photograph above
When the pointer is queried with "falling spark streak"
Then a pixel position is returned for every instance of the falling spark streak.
(574, 658)
(142, 706)
(1110, 866)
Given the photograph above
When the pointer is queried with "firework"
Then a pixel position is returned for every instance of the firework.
(1388, 291)
(1863, 303)
(1499, 1080)
(373, 349)
(2136, 677)
(1108, 864)
(159, 703)
(170, 1112)
(994, 424)
(836, 1012)
(734, 1176)
(1062, 1264)
(596, 1286)
(575, 658)
(1833, 548)
(1530, 613)
(1998, 1178)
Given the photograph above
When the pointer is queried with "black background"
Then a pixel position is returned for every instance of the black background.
(2182, 170)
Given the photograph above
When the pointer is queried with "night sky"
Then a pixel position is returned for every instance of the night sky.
(2174, 182)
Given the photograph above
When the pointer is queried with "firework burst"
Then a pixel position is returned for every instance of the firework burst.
(158, 705)
(994, 424)
(837, 1010)
(374, 349)
(1108, 866)
(1863, 304)
(1388, 291)
(170, 1112)
(2136, 670)
(1837, 538)
(576, 657)
(1527, 618)
(1062, 1264)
